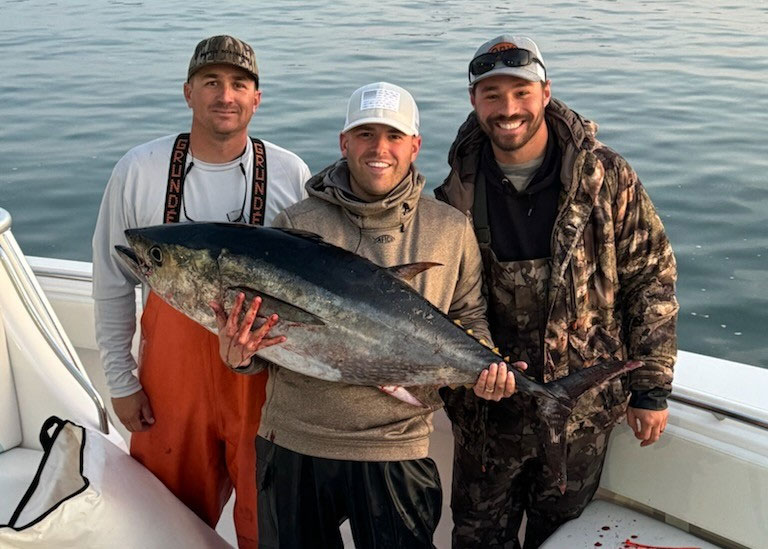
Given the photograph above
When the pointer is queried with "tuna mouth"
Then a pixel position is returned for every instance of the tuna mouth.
(133, 262)
(127, 255)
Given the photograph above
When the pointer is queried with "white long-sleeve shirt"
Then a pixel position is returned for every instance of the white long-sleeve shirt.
(135, 197)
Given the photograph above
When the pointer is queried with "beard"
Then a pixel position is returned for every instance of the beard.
(510, 143)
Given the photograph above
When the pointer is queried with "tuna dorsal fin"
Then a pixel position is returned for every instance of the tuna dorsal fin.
(272, 305)
(409, 270)
(303, 234)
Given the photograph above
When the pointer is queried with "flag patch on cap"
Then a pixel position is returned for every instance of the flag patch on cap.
(380, 99)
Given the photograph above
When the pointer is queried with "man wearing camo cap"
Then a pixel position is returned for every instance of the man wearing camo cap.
(578, 271)
(193, 422)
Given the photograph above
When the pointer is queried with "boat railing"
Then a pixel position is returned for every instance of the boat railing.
(41, 312)
(719, 412)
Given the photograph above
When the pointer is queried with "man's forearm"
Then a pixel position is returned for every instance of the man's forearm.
(115, 326)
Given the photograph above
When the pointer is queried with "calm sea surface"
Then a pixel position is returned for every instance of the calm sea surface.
(679, 88)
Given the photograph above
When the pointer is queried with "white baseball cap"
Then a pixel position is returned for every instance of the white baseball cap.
(383, 103)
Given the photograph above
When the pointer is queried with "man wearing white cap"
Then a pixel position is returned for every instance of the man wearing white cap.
(578, 271)
(329, 451)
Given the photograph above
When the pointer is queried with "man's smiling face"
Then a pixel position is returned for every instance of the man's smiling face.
(510, 111)
(223, 99)
(379, 157)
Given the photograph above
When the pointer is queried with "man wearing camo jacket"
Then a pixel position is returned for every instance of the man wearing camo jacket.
(578, 270)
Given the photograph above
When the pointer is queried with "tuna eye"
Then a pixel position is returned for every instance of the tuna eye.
(156, 254)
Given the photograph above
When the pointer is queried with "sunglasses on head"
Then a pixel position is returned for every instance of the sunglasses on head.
(514, 57)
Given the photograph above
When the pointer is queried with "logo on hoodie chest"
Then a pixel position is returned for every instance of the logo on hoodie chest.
(384, 239)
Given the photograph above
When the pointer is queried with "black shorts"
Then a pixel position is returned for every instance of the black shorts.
(303, 500)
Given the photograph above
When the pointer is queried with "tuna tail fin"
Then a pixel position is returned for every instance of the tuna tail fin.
(580, 382)
(555, 408)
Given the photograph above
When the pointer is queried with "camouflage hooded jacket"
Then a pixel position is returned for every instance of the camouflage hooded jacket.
(612, 284)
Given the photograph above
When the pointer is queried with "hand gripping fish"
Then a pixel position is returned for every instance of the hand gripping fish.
(345, 318)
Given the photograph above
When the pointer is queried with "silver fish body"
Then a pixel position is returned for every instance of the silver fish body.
(345, 318)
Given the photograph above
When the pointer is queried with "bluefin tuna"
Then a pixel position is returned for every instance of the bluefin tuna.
(345, 318)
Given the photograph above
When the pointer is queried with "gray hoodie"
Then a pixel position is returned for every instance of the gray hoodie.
(350, 422)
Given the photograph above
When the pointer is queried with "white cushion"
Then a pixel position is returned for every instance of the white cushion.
(17, 469)
(610, 525)
(89, 493)
(10, 424)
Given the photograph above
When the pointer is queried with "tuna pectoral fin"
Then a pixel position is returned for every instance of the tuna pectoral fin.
(555, 407)
(272, 305)
(409, 270)
(401, 393)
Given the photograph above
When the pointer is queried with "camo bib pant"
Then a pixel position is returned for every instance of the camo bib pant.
(499, 472)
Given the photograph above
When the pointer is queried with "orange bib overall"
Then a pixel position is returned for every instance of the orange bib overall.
(206, 418)
(203, 441)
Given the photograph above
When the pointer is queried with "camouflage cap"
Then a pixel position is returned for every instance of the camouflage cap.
(226, 50)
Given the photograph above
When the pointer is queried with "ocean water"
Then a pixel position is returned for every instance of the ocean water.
(679, 88)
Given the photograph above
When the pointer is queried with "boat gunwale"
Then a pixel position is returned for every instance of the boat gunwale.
(34, 300)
